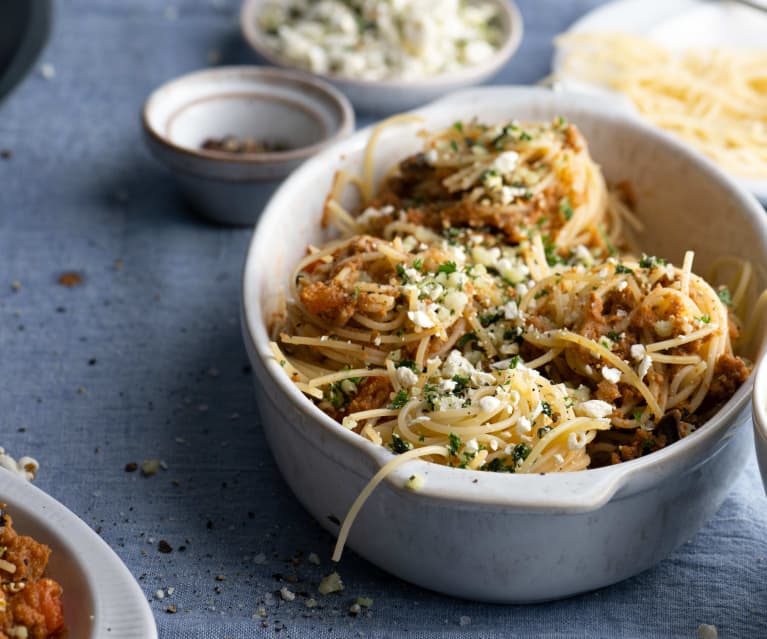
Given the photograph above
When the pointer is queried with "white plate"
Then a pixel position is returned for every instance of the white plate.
(101, 598)
(677, 24)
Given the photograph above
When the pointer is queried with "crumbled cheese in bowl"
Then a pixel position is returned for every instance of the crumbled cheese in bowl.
(381, 39)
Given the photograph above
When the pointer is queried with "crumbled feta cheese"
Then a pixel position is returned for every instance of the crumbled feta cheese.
(431, 156)
(524, 425)
(644, 366)
(506, 162)
(471, 446)
(330, 583)
(406, 377)
(489, 404)
(456, 301)
(595, 408)
(456, 364)
(576, 441)
(493, 445)
(287, 594)
(386, 39)
(637, 352)
(420, 319)
(611, 374)
(447, 385)
(622, 285)
(510, 310)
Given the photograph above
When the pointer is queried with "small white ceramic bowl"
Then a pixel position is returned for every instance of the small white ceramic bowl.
(271, 105)
(389, 96)
(491, 536)
(760, 418)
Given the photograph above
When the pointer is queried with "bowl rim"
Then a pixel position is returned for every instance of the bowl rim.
(303, 81)
(559, 492)
(512, 38)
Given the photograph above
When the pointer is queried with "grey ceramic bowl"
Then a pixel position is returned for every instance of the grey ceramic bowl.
(279, 107)
(389, 96)
(495, 536)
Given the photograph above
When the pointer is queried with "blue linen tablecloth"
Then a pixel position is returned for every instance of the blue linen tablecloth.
(144, 360)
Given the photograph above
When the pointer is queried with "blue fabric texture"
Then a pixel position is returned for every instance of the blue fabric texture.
(144, 360)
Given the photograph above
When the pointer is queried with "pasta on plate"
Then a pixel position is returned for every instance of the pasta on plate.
(487, 308)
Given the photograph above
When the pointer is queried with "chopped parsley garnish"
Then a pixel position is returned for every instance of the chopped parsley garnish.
(453, 444)
(466, 338)
(399, 445)
(610, 248)
(613, 336)
(514, 334)
(454, 145)
(542, 293)
(497, 466)
(431, 395)
(447, 267)
(724, 294)
(647, 446)
(546, 409)
(552, 257)
(407, 363)
(418, 264)
(490, 318)
(542, 431)
(335, 395)
(514, 362)
(650, 261)
(620, 268)
(706, 319)
(402, 274)
(400, 399)
(461, 383)
(525, 136)
(565, 208)
(520, 452)
(458, 126)
(636, 414)
(561, 122)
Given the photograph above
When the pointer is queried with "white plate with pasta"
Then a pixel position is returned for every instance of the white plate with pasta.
(692, 67)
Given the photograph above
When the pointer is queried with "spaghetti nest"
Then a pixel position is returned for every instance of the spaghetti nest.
(479, 312)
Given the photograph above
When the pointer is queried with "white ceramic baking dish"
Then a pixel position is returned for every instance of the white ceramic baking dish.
(498, 537)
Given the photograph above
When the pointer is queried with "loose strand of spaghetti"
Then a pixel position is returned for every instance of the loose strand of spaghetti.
(388, 468)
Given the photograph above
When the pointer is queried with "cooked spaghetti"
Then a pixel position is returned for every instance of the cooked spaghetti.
(715, 99)
(483, 311)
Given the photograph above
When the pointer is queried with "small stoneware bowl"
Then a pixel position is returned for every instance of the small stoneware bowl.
(392, 95)
(292, 114)
(759, 405)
